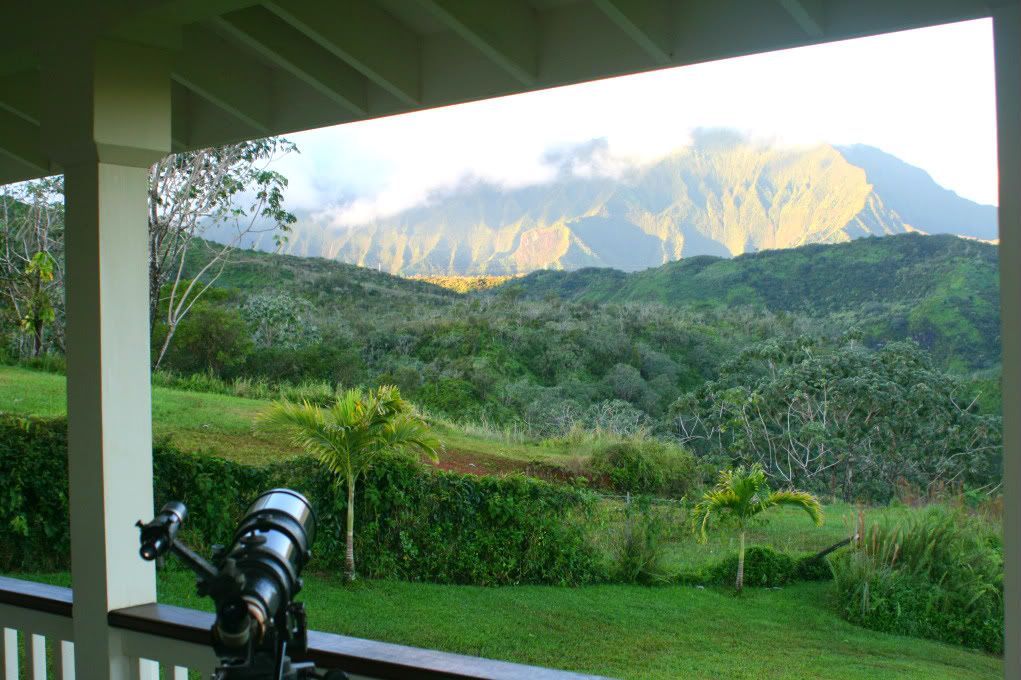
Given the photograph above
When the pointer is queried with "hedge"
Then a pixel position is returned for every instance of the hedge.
(412, 522)
(768, 568)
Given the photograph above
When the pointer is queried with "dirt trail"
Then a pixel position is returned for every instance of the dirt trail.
(475, 463)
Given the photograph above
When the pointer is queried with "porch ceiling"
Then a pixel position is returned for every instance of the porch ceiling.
(243, 69)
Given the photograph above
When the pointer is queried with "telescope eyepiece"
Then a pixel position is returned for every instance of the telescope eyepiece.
(157, 537)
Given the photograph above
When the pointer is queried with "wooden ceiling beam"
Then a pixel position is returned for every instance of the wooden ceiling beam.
(364, 35)
(810, 15)
(647, 22)
(212, 69)
(286, 48)
(21, 141)
(12, 170)
(505, 31)
(19, 94)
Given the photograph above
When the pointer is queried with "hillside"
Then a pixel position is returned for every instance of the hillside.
(942, 291)
(724, 195)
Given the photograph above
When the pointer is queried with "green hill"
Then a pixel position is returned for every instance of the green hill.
(596, 348)
(942, 291)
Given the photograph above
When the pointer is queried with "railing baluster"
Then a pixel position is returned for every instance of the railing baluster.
(180, 673)
(143, 669)
(37, 656)
(148, 669)
(9, 649)
(63, 660)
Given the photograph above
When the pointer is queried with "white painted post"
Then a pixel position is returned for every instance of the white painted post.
(1007, 36)
(106, 118)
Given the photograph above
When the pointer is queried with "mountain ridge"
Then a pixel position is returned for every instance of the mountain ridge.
(724, 195)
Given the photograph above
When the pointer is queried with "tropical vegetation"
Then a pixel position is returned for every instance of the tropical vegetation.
(582, 419)
(351, 435)
(743, 494)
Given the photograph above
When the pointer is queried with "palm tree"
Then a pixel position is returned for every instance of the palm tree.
(743, 494)
(351, 435)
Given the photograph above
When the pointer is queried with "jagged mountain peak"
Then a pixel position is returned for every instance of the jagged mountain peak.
(723, 195)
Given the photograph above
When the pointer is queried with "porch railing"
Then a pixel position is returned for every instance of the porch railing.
(38, 644)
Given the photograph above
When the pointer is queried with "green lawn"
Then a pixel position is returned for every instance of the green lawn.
(626, 631)
(194, 421)
(623, 631)
(223, 424)
(785, 529)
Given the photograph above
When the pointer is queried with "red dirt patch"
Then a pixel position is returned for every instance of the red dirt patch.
(482, 464)
(475, 463)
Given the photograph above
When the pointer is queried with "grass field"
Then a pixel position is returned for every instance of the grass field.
(197, 421)
(785, 529)
(222, 424)
(616, 630)
(623, 631)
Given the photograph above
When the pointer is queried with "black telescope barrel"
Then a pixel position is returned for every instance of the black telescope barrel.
(271, 546)
(286, 503)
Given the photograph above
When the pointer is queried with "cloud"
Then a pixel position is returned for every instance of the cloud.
(926, 96)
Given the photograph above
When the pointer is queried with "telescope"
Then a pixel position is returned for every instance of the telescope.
(258, 625)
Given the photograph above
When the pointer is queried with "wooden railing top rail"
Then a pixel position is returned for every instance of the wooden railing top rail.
(38, 596)
(354, 655)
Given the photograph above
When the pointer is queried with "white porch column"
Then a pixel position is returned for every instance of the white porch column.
(1007, 36)
(107, 119)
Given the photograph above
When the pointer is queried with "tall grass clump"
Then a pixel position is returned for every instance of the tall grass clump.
(316, 392)
(637, 542)
(642, 465)
(937, 573)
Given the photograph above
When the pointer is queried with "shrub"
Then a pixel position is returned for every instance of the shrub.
(812, 568)
(937, 574)
(48, 363)
(646, 466)
(763, 567)
(34, 532)
(209, 338)
(452, 396)
(637, 549)
(327, 362)
(415, 523)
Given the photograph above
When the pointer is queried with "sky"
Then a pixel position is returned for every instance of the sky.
(926, 96)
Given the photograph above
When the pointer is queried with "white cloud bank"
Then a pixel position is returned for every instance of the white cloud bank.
(926, 96)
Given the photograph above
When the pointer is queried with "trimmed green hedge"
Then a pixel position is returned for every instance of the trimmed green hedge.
(768, 568)
(412, 522)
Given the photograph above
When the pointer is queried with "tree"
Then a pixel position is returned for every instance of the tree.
(31, 258)
(227, 192)
(842, 418)
(214, 339)
(350, 436)
(280, 320)
(744, 493)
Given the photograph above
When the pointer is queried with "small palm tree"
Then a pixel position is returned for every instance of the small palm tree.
(743, 493)
(350, 436)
